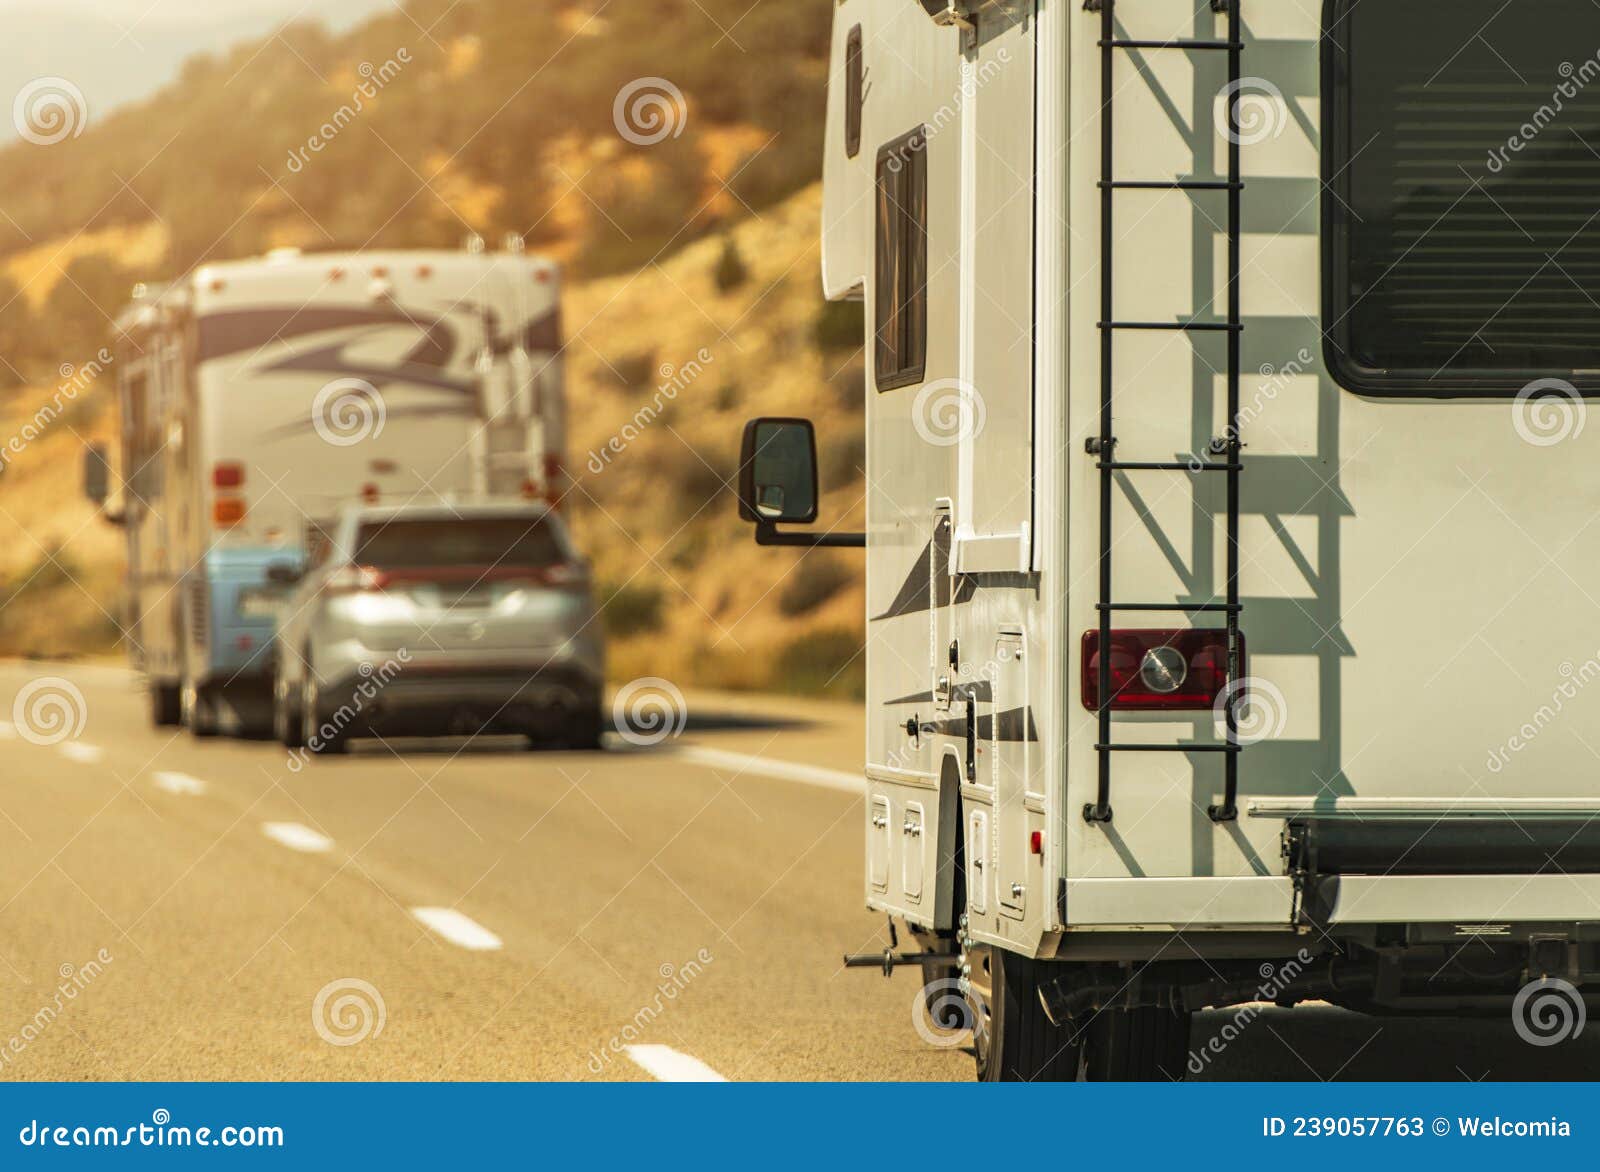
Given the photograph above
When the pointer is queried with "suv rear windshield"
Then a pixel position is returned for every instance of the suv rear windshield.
(1462, 212)
(510, 542)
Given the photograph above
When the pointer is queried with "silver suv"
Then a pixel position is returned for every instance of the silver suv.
(439, 620)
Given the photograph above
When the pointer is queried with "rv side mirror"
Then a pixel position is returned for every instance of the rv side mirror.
(778, 483)
(96, 474)
(778, 472)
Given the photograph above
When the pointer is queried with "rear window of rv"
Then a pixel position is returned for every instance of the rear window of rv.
(1462, 212)
(507, 542)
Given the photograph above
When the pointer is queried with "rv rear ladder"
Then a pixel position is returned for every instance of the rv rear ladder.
(1224, 451)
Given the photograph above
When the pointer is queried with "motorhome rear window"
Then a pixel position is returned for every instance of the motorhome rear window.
(504, 542)
(1461, 220)
(901, 296)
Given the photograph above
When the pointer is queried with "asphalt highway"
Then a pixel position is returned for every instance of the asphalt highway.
(173, 908)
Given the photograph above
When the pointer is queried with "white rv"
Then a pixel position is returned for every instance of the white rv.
(259, 396)
(1232, 569)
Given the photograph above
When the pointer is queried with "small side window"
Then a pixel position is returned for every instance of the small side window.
(854, 92)
(901, 294)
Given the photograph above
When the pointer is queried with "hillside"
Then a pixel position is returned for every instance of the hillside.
(698, 250)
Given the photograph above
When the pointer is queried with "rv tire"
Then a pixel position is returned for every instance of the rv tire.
(166, 705)
(1136, 1045)
(1013, 1039)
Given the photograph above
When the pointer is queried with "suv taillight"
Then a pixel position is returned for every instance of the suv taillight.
(1159, 670)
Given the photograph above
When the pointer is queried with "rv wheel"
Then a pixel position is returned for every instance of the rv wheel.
(285, 717)
(1136, 1045)
(198, 710)
(166, 705)
(1013, 1039)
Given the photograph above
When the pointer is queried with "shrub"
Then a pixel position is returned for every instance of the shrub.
(829, 662)
(839, 325)
(814, 581)
(632, 608)
(730, 272)
(633, 371)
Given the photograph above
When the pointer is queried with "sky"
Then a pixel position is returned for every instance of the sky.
(117, 51)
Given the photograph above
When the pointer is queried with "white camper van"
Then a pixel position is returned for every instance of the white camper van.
(1232, 568)
(259, 396)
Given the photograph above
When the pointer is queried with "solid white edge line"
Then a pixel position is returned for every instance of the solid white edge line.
(81, 752)
(665, 1064)
(178, 783)
(815, 775)
(461, 930)
(297, 837)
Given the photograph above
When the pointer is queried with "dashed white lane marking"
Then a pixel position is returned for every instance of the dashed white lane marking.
(83, 754)
(179, 783)
(297, 837)
(668, 1065)
(460, 930)
(770, 767)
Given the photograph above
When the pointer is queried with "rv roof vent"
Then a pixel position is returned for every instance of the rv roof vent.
(280, 256)
(514, 243)
(473, 244)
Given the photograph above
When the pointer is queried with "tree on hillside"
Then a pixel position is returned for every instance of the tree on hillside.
(79, 312)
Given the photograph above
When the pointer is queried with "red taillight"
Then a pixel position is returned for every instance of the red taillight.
(227, 511)
(227, 475)
(1163, 671)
